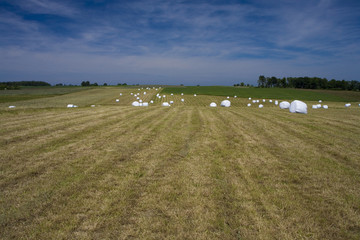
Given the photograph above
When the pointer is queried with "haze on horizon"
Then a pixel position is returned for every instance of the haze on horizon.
(178, 42)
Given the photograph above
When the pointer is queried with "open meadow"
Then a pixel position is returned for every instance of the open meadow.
(188, 171)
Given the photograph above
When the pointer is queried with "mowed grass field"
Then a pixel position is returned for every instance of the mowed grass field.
(182, 172)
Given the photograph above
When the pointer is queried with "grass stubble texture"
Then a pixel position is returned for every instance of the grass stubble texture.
(184, 172)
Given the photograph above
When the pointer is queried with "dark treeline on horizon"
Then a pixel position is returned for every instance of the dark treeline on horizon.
(307, 83)
(17, 85)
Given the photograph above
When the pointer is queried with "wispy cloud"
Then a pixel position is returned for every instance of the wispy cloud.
(182, 39)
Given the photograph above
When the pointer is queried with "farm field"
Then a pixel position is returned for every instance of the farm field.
(269, 93)
(182, 172)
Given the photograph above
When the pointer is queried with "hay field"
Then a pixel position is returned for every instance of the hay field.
(180, 172)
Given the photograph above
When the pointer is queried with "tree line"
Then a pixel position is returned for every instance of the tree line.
(307, 83)
(17, 85)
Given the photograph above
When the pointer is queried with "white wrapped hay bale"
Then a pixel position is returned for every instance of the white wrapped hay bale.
(135, 104)
(140, 104)
(249, 98)
(261, 106)
(227, 97)
(131, 94)
(144, 93)
(325, 106)
(225, 103)
(70, 105)
(117, 100)
(165, 104)
(320, 101)
(182, 100)
(348, 105)
(140, 101)
(182, 94)
(235, 96)
(151, 101)
(284, 105)
(194, 95)
(12, 106)
(164, 96)
(137, 98)
(257, 101)
(254, 101)
(171, 102)
(270, 100)
(145, 104)
(172, 94)
(120, 94)
(318, 105)
(92, 105)
(213, 104)
(249, 104)
(264, 100)
(298, 107)
(314, 106)
(276, 102)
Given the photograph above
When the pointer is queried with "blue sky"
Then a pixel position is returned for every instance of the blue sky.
(178, 42)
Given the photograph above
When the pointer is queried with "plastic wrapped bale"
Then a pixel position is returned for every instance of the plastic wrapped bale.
(165, 104)
(298, 107)
(131, 94)
(325, 106)
(318, 105)
(92, 105)
(140, 104)
(182, 100)
(172, 94)
(144, 93)
(70, 105)
(235, 96)
(314, 106)
(225, 103)
(117, 100)
(284, 105)
(12, 106)
(257, 101)
(261, 106)
(159, 97)
(137, 98)
(348, 105)
(120, 94)
(249, 104)
(249, 98)
(254, 101)
(213, 104)
(194, 95)
(171, 102)
(264, 100)
(151, 101)
(145, 104)
(164, 96)
(270, 100)
(75, 106)
(135, 104)
(140, 101)
(227, 97)
(320, 101)
(182, 94)
(276, 102)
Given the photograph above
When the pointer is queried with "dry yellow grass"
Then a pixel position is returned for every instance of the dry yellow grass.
(184, 172)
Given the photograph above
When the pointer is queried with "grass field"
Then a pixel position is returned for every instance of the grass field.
(181, 172)
(270, 93)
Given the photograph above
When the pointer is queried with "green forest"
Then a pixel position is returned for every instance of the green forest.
(307, 83)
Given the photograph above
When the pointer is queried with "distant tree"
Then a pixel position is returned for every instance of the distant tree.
(59, 85)
(105, 84)
(242, 84)
(95, 84)
(261, 81)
